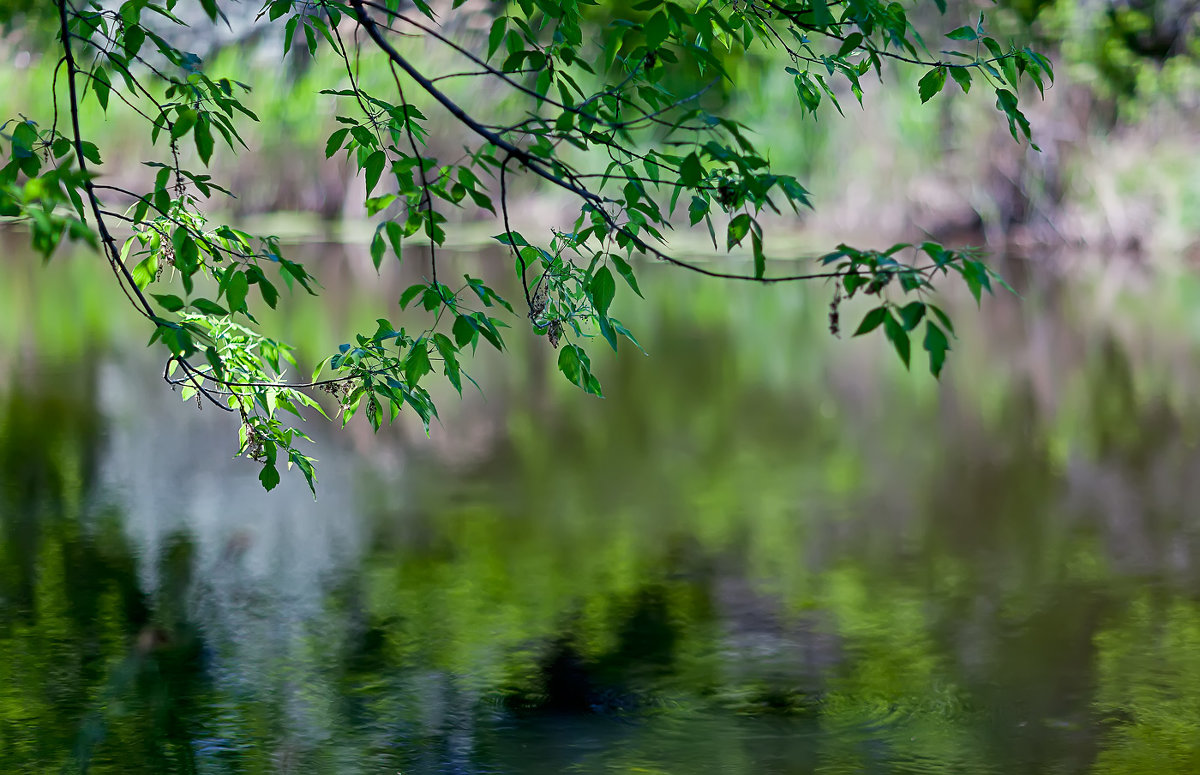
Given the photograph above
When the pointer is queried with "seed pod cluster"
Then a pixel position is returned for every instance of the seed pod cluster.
(255, 450)
(835, 323)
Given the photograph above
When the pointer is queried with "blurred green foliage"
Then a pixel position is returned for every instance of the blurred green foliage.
(1126, 45)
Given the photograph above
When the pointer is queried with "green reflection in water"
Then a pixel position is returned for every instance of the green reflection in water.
(91, 671)
(762, 553)
(1148, 665)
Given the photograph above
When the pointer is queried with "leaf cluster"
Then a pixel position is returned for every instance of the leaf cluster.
(600, 120)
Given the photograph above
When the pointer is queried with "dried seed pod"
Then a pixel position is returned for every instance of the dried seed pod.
(538, 305)
(835, 327)
(726, 194)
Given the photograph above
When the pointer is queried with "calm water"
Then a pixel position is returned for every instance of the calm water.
(767, 551)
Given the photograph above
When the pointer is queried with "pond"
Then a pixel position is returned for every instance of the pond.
(767, 550)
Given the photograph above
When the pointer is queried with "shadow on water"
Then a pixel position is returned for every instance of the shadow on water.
(764, 552)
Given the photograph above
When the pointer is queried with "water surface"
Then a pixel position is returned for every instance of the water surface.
(766, 551)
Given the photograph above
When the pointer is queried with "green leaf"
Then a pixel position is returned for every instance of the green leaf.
(760, 259)
(821, 15)
(961, 76)
(1007, 102)
(24, 138)
(911, 314)
(499, 27)
(269, 477)
(602, 288)
(269, 294)
(168, 301)
(511, 237)
(449, 355)
(943, 318)
(184, 122)
(145, 272)
(576, 366)
(410, 293)
(993, 47)
(936, 345)
(162, 199)
(236, 290)
(204, 140)
(691, 172)
(374, 168)
(395, 235)
(963, 33)
(378, 247)
(931, 83)
(186, 252)
(657, 28)
(335, 141)
(607, 331)
(623, 331)
(102, 86)
(310, 38)
(853, 282)
(871, 321)
(214, 360)
(738, 228)
(378, 204)
(626, 271)
(134, 37)
(486, 328)
(898, 337)
(975, 277)
(464, 332)
(852, 41)
(416, 365)
(91, 152)
(542, 85)
(289, 32)
(487, 295)
(207, 307)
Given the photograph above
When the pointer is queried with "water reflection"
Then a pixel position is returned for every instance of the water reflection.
(763, 553)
